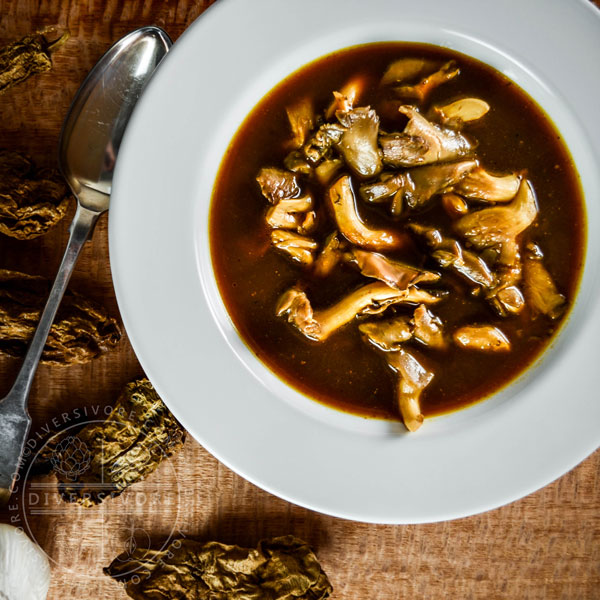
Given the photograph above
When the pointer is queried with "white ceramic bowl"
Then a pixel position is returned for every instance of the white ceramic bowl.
(469, 461)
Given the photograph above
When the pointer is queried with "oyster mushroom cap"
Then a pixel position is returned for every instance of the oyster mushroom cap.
(299, 248)
(24, 567)
(421, 90)
(371, 299)
(388, 334)
(499, 224)
(427, 328)
(407, 68)
(358, 144)
(277, 184)
(484, 186)
(539, 287)
(413, 378)
(301, 116)
(348, 95)
(462, 111)
(340, 198)
(485, 338)
(289, 213)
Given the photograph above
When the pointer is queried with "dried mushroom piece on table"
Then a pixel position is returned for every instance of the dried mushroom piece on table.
(138, 434)
(32, 200)
(283, 568)
(82, 330)
(25, 57)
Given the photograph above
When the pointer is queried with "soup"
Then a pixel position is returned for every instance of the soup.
(397, 231)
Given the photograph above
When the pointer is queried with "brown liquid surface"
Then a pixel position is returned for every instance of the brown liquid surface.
(343, 371)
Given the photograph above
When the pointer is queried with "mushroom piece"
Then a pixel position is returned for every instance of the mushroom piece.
(413, 378)
(320, 143)
(296, 163)
(538, 286)
(449, 254)
(454, 205)
(388, 334)
(491, 188)
(373, 298)
(405, 69)
(422, 142)
(461, 111)
(358, 144)
(427, 328)
(340, 198)
(327, 170)
(498, 224)
(416, 186)
(329, 257)
(302, 119)
(277, 184)
(485, 338)
(299, 248)
(421, 90)
(289, 213)
(396, 274)
(347, 97)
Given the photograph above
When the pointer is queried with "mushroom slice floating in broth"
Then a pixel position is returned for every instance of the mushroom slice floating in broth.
(482, 185)
(421, 90)
(289, 213)
(320, 143)
(358, 144)
(422, 142)
(407, 68)
(302, 119)
(329, 257)
(413, 378)
(396, 274)
(485, 338)
(427, 328)
(340, 198)
(461, 111)
(277, 184)
(540, 290)
(388, 334)
(299, 248)
(371, 299)
(348, 95)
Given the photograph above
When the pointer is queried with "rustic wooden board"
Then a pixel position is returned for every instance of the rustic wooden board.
(544, 546)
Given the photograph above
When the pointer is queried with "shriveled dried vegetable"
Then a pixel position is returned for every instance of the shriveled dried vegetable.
(104, 459)
(31, 200)
(283, 568)
(82, 330)
(25, 57)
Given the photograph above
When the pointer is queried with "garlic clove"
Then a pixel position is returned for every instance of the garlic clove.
(24, 567)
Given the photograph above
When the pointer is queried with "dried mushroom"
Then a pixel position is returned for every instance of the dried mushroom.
(283, 568)
(135, 438)
(25, 57)
(81, 331)
(32, 200)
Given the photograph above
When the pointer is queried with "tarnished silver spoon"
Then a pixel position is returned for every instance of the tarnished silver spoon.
(88, 149)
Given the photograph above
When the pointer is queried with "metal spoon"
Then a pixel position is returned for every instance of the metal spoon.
(88, 148)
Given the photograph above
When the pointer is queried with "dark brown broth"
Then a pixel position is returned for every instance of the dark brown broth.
(344, 371)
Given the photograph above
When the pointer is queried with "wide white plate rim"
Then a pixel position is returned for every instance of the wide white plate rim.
(138, 255)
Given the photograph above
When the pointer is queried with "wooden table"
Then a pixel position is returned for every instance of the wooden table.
(544, 546)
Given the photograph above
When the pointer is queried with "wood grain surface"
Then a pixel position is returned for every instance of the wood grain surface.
(544, 546)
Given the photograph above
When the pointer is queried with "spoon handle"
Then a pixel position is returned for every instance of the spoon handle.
(80, 230)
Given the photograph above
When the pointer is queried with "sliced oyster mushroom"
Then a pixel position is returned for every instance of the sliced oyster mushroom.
(461, 111)
(320, 143)
(383, 189)
(309, 223)
(421, 90)
(422, 142)
(289, 213)
(330, 256)
(358, 144)
(277, 184)
(454, 205)
(297, 163)
(326, 170)
(301, 116)
(299, 248)
(540, 290)
(373, 298)
(405, 69)
(388, 334)
(449, 254)
(484, 186)
(342, 202)
(396, 274)
(413, 378)
(498, 224)
(427, 328)
(347, 97)
(485, 338)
